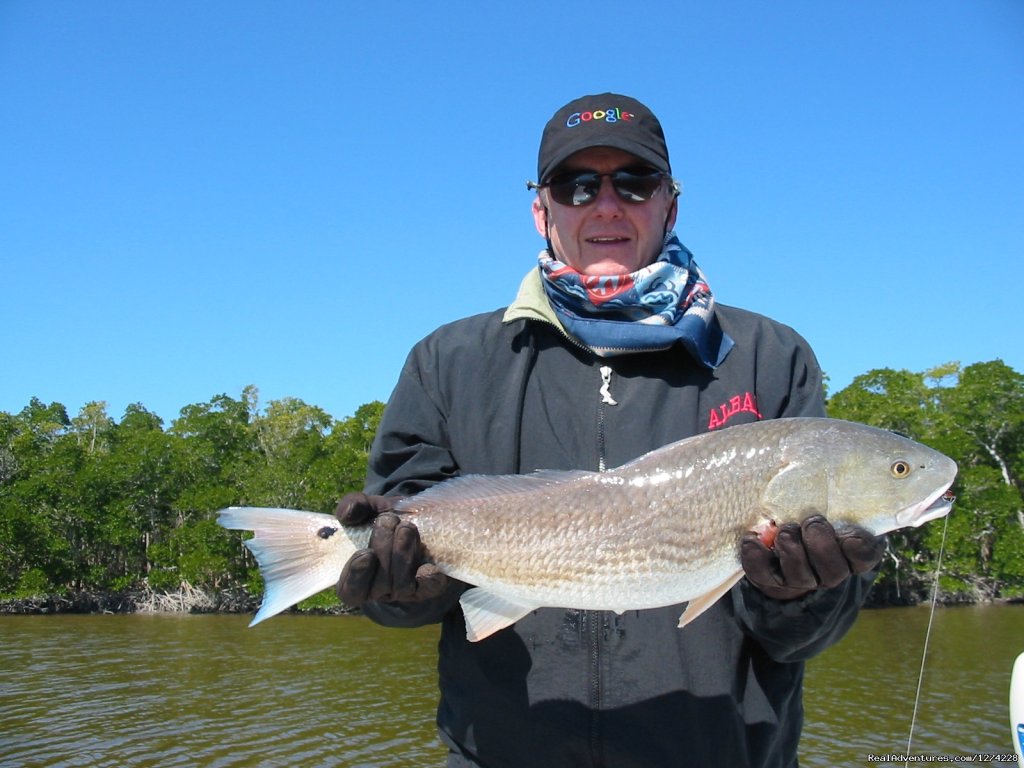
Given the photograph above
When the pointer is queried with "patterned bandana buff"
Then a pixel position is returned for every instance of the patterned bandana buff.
(666, 302)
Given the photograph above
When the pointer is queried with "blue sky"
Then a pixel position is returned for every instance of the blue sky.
(199, 196)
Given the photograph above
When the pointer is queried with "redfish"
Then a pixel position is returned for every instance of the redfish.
(662, 529)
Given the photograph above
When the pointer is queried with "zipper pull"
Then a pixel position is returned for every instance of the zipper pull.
(606, 380)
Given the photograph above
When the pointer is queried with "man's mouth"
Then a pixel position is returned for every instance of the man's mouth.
(607, 239)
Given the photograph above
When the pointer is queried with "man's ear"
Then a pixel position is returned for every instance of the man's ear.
(670, 220)
(540, 217)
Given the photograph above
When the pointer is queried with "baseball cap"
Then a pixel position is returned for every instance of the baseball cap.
(602, 120)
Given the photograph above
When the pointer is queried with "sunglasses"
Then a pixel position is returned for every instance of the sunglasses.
(581, 187)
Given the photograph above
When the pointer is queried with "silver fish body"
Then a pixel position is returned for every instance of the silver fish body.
(660, 530)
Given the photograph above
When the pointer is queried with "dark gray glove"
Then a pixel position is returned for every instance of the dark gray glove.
(808, 556)
(392, 568)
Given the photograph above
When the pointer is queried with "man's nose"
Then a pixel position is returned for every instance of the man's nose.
(607, 201)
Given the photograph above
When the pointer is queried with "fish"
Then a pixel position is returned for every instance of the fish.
(660, 530)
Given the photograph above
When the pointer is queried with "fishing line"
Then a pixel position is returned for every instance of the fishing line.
(927, 635)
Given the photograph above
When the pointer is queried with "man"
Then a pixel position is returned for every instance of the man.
(613, 347)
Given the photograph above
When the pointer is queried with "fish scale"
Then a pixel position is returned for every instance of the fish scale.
(659, 530)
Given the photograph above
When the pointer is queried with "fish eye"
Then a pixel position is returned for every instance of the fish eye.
(900, 469)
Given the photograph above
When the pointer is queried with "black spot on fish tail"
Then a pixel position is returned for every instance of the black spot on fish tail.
(326, 532)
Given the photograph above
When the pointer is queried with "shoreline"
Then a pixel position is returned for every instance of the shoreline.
(191, 600)
(188, 600)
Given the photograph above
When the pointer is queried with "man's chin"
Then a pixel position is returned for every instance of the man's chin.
(609, 265)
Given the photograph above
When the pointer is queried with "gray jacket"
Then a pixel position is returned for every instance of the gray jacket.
(507, 392)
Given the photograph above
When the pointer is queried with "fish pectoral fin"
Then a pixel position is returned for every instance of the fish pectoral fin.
(698, 605)
(486, 613)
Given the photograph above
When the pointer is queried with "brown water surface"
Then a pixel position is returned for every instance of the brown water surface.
(339, 691)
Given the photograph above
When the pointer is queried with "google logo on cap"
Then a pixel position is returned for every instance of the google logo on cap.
(608, 115)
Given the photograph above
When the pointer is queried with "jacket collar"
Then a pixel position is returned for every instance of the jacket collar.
(531, 303)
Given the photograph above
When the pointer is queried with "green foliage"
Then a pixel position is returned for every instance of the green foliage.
(321, 601)
(99, 504)
(33, 582)
(975, 415)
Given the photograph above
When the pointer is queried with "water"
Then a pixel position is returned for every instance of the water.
(859, 694)
(204, 691)
(339, 691)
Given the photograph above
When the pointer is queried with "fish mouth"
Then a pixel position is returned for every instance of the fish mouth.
(937, 505)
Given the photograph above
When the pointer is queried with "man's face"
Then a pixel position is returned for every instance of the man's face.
(608, 236)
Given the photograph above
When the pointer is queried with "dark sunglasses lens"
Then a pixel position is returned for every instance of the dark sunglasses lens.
(636, 188)
(575, 190)
(582, 188)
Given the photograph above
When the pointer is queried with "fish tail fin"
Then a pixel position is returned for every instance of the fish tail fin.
(299, 553)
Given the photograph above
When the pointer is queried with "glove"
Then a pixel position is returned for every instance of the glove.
(808, 556)
(392, 567)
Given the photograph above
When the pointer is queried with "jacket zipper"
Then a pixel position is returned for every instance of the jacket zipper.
(596, 752)
(606, 399)
(606, 382)
(596, 618)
